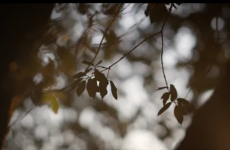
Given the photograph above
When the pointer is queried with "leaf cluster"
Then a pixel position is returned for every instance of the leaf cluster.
(182, 106)
(93, 84)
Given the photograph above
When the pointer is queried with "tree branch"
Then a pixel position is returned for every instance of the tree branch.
(106, 30)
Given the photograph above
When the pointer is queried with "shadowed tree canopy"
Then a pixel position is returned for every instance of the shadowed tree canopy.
(69, 57)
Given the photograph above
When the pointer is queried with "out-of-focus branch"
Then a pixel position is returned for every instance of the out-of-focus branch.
(106, 30)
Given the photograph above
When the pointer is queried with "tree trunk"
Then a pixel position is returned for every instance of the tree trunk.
(210, 128)
(21, 25)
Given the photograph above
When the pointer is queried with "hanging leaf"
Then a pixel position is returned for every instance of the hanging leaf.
(103, 90)
(50, 99)
(54, 105)
(46, 98)
(98, 63)
(183, 101)
(103, 82)
(165, 97)
(81, 88)
(156, 12)
(148, 9)
(87, 62)
(100, 76)
(113, 89)
(103, 87)
(79, 75)
(188, 109)
(173, 92)
(164, 108)
(60, 95)
(92, 87)
(178, 113)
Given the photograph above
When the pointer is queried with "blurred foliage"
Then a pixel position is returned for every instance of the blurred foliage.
(68, 50)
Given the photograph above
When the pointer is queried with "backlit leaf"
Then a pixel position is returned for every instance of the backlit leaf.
(113, 89)
(178, 113)
(81, 88)
(54, 105)
(164, 108)
(87, 62)
(173, 92)
(46, 98)
(59, 95)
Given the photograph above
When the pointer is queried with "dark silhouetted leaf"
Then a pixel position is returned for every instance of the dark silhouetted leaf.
(148, 9)
(113, 89)
(103, 87)
(98, 63)
(188, 109)
(92, 87)
(183, 101)
(103, 82)
(178, 113)
(87, 62)
(81, 88)
(173, 92)
(165, 97)
(156, 12)
(100, 77)
(79, 75)
(164, 108)
(161, 88)
(103, 90)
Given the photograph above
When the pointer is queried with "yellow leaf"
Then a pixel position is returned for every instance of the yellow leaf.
(54, 105)
(46, 98)
(60, 95)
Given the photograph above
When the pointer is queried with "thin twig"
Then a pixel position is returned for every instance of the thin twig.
(160, 32)
(22, 116)
(162, 50)
(162, 63)
(133, 49)
(125, 7)
(97, 52)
